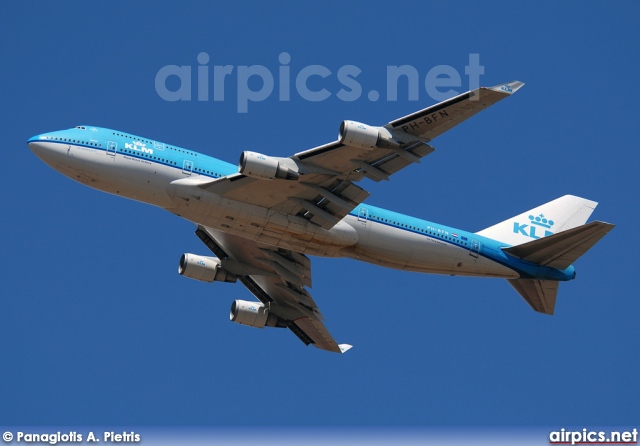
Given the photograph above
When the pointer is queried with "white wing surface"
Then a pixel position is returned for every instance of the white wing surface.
(323, 189)
(319, 185)
(277, 278)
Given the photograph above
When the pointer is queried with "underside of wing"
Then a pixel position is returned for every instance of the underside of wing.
(319, 184)
(324, 190)
(320, 198)
(437, 119)
(376, 160)
(277, 278)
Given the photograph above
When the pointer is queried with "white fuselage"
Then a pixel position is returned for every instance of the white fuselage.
(369, 234)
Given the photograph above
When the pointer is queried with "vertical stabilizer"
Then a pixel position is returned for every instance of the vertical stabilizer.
(555, 216)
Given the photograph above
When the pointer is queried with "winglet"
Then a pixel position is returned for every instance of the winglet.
(345, 347)
(508, 88)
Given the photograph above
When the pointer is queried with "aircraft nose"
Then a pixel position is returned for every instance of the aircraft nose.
(37, 144)
(33, 143)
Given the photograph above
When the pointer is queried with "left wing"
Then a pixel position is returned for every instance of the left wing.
(318, 184)
(277, 277)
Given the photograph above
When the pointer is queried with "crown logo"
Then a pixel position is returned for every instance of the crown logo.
(541, 221)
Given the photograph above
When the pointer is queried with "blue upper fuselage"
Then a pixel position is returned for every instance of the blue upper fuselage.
(486, 247)
(199, 164)
(138, 147)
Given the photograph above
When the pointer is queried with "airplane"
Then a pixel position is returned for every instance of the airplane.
(262, 218)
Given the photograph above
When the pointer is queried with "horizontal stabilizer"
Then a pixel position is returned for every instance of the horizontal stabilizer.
(540, 294)
(562, 249)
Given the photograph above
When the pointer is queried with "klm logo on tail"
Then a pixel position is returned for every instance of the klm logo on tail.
(539, 224)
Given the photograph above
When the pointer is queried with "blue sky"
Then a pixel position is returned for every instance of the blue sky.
(97, 327)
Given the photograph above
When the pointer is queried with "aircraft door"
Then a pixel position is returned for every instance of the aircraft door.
(474, 249)
(187, 167)
(112, 148)
(363, 214)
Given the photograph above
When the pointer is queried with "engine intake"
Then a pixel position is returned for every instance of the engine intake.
(265, 167)
(253, 314)
(205, 269)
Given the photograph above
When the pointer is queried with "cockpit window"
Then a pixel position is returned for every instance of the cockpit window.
(80, 127)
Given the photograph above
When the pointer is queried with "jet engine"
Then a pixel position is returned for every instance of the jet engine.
(369, 137)
(265, 167)
(206, 269)
(253, 314)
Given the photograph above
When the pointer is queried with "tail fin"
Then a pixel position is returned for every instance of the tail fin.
(556, 251)
(555, 216)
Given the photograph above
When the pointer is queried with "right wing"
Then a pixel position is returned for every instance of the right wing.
(277, 278)
(437, 119)
(325, 191)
